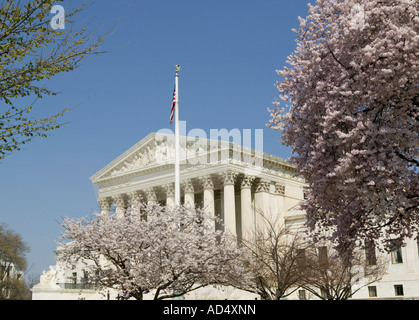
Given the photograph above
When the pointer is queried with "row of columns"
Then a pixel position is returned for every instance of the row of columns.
(249, 206)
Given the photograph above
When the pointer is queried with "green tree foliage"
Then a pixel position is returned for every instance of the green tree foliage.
(12, 263)
(32, 51)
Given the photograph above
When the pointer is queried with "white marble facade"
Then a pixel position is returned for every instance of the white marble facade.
(225, 179)
(229, 181)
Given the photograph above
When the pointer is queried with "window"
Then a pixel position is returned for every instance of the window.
(302, 295)
(398, 290)
(370, 253)
(301, 258)
(323, 256)
(323, 293)
(372, 291)
(396, 254)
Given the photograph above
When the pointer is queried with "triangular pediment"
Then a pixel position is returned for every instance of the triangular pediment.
(155, 149)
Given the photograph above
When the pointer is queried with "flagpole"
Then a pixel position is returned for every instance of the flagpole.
(177, 156)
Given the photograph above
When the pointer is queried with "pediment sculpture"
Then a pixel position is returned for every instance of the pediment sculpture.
(152, 153)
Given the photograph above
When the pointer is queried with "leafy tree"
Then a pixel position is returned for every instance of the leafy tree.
(12, 263)
(14, 289)
(32, 51)
(353, 117)
(167, 251)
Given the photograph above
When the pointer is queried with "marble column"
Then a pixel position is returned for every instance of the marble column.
(247, 217)
(262, 203)
(229, 203)
(189, 193)
(134, 199)
(105, 205)
(120, 205)
(280, 204)
(208, 185)
(151, 196)
(170, 195)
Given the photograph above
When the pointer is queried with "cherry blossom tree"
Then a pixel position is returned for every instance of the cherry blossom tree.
(351, 116)
(167, 251)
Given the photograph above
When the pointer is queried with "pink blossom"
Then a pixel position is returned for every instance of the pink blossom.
(352, 117)
(170, 251)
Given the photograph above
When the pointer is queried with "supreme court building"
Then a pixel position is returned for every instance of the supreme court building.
(228, 180)
(224, 178)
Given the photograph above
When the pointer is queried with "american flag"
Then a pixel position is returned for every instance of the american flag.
(172, 112)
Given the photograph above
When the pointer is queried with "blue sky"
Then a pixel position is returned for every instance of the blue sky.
(229, 51)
